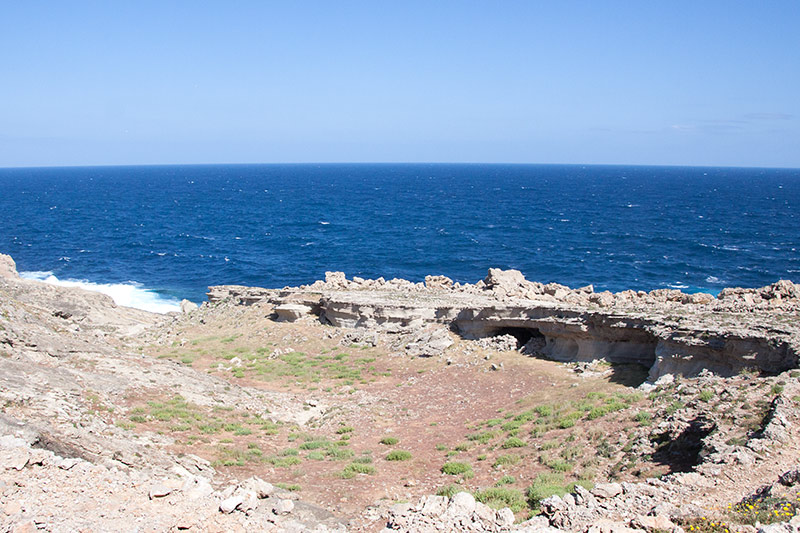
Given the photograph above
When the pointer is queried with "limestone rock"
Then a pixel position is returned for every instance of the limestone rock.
(261, 488)
(291, 312)
(438, 282)
(15, 458)
(187, 306)
(335, 279)
(284, 506)
(606, 490)
(232, 503)
(8, 268)
(428, 342)
(159, 491)
(196, 488)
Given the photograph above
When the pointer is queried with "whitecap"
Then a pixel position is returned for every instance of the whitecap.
(324, 223)
(130, 294)
(712, 279)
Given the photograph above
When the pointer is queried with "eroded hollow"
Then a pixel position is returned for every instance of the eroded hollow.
(523, 335)
(680, 451)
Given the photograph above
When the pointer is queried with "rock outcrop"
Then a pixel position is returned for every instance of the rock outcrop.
(666, 330)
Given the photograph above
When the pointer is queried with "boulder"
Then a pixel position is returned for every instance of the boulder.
(261, 488)
(336, 280)
(606, 490)
(15, 458)
(291, 312)
(438, 282)
(462, 504)
(428, 342)
(284, 507)
(187, 306)
(229, 505)
(8, 268)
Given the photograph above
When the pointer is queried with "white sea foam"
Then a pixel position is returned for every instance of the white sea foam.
(129, 294)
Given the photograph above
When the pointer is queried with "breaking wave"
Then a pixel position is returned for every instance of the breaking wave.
(129, 294)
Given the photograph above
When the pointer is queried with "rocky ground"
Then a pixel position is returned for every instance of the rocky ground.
(361, 405)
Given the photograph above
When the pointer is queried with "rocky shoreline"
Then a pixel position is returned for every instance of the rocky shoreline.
(116, 419)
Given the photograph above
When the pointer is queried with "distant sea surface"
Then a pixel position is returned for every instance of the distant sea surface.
(152, 235)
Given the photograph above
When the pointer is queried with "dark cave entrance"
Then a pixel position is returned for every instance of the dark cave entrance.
(523, 335)
(681, 452)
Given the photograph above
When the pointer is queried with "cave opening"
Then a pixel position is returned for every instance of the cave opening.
(523, 335)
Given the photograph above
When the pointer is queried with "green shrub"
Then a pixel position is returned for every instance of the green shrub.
(560, 466)
(643, 418)
(513, 442)
(455, 468)
(398, 455)
(499, 497)
(503, 460)
(290, 487)
(448, 491)
(566, 422)
(597, 412)
(314, 445)
(544, 486)
(344, 429)
(706, 395)
(337, 454)
(389, 441)
(482, 437)
(356, 468)
(506, 480)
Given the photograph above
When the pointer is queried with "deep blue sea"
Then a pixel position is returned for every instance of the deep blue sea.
(152, 235)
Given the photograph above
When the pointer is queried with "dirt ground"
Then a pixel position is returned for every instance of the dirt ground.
(524, 418)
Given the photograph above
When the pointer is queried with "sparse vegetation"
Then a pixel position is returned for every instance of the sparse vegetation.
(398, 455)
(456, 468)
(354, 468)
(499, 497)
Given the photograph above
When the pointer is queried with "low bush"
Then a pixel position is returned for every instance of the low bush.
(398, 455)
(499, 497)
(456, 468)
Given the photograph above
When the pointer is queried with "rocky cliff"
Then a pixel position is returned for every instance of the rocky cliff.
(667, 331)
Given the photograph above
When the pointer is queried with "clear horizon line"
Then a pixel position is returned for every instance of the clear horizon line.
(331, 163)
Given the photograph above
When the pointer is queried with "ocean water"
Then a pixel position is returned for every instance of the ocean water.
(152, 235)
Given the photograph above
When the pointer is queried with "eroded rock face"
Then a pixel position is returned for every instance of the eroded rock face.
(433, 514)
(8, 268)
(665, 330)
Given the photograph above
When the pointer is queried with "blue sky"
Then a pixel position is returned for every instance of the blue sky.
(678, 82)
